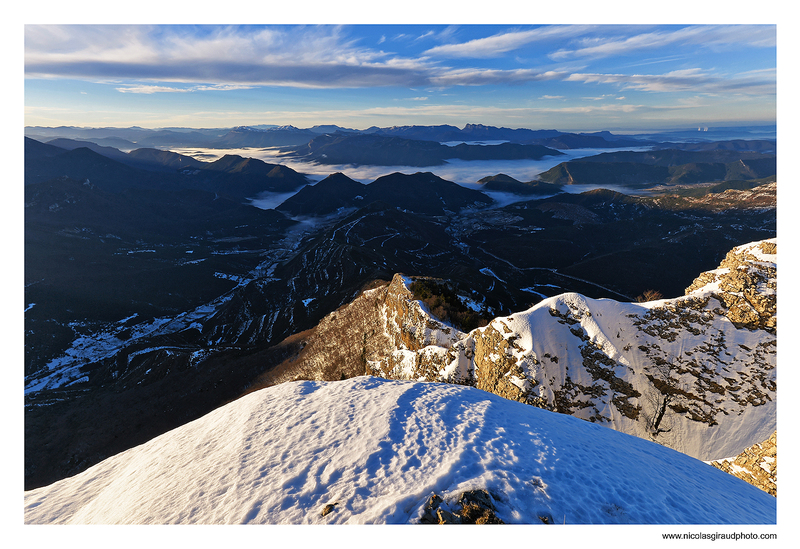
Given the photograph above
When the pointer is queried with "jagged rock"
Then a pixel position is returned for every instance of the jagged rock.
(328, 508)
(746, 284)
(429, 516)
(381, 332)
(476, 508)
(446, 517)
(757, 465)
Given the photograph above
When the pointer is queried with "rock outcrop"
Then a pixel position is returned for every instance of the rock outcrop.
(758, 465)
(476, 507)
(746, 284)
(382, 330)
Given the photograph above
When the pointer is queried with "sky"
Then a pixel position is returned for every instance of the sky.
(560, 76)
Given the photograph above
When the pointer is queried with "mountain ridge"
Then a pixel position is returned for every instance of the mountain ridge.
(373, 451)
(662, 358)
(231, 176)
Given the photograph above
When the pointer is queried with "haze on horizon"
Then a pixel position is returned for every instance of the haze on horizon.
(566, 77)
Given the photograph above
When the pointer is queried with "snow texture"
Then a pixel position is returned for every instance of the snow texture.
(378, 449)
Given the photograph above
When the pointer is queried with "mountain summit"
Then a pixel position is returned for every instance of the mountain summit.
(373, 451)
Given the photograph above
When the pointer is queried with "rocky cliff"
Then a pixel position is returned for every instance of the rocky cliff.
(695, 373)
(384, 329)
(758, 465)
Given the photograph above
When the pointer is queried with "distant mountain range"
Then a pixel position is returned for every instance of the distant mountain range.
(112, 170)
(380, 150)
(663, 167)
(268, 136)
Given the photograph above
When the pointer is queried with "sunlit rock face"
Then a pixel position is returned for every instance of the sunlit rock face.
(746, 283)
(758, 465)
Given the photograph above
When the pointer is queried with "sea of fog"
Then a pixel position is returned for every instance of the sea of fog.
(466, 173)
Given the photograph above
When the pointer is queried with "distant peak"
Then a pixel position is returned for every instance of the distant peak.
(468, 127)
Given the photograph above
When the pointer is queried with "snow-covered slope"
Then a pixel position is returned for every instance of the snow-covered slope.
(376, 450)
(695, 373)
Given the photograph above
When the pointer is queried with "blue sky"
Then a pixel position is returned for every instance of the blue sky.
(567, 77)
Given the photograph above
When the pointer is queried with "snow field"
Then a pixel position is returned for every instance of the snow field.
(378, 449)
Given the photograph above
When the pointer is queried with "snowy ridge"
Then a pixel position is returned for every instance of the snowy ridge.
(695, 373)
(375, 450)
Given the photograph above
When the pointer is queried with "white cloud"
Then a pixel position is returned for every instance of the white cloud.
(501, 43)
(222, 87)
(692, 80)
(222, 55)
(477, 77)
(150, 89)
(704, 36)
(230, 58)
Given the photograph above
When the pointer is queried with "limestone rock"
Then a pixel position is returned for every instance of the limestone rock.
(477, 507)
(757, 465)
(746, 284)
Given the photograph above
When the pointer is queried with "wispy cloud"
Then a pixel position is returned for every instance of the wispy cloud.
(477, 77)
(498, 44)
(691, 80)
(149, 89)
(231, 58)
(704, 36)
(301, 56)
(544, 70)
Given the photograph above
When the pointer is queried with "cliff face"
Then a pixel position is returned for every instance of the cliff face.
(746, 283)
(382, 330)
(758, 465)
